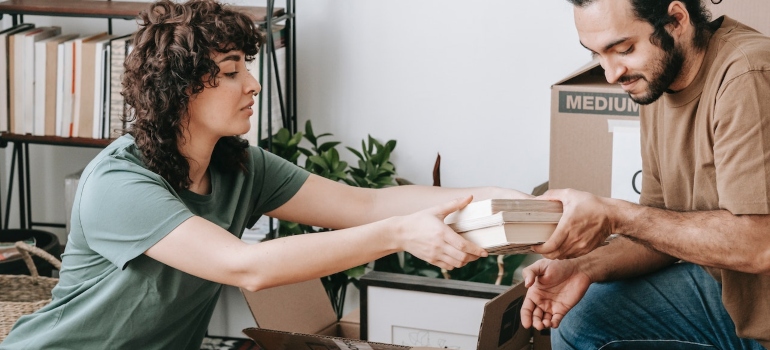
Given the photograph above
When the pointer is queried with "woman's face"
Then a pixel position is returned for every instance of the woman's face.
(224, 110)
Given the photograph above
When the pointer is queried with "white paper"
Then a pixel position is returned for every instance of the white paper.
(626, 160)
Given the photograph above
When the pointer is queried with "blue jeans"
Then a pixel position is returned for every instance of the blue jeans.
(679, 307)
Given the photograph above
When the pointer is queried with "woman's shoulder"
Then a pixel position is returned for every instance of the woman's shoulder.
(120, 159)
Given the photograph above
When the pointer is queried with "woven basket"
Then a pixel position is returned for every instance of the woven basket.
(25, 294)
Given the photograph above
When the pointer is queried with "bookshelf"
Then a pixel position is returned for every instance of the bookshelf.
(128, 10)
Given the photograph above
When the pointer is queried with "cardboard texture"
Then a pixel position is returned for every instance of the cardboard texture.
(300, 308)
(594, 125)
(299, 316)
(583, 106)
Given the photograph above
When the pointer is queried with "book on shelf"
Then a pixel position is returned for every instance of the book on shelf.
(65, 88)
(85, 82)
(115, 104)
(15, 79)
(99, 69)
(47, 58)
(5, 60)
(28, 103)
(506, 226)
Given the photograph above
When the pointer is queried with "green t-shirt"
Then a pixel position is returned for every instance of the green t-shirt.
(112, 296)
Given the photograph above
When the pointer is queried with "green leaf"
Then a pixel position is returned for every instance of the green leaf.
(356, 272)
(358, 154)
(327, 146)
(318, 160)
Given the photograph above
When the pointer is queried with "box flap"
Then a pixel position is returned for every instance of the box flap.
(501, 327)
(276, 340)
(301, 307)
(587, 67)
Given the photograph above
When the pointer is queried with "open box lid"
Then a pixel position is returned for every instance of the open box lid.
(300, 307)
(594, 63)
(501, 327)
(277, 340)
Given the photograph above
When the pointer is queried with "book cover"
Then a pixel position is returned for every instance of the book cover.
(115, 102)
(503, 217)
(511, 237)
(85, 80)
(5, 36)
(28, 85)
(16, 68)
(68, 89)
(489, 207)
(101, 46)
(46, 82)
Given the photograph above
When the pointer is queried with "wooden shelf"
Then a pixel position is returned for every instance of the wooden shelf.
(102, 9)
(53, 140)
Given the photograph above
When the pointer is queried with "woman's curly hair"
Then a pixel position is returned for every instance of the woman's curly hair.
(170, 58)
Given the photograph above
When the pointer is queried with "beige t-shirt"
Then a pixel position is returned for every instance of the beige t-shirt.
(707, 147)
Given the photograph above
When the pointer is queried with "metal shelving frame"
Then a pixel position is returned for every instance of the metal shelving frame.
(128, 11)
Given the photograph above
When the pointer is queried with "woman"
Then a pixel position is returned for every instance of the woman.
(158, 214)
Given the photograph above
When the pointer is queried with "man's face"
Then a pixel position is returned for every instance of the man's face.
(611, 31)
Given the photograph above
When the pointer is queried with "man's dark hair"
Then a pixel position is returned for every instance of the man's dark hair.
(171, 61)
(655, 12)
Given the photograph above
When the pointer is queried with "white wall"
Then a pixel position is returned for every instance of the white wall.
(468, 80)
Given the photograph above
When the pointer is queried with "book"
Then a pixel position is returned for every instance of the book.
(100, 69)
(511, 237)
(28, 93)
(46, 83)
(16, 63)
(5, 73)
(115, 105)
(85, 85)
(65, 88)
(506, 226)
(489, 207)
(503, 217)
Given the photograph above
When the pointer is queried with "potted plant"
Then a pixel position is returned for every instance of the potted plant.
(373, 170)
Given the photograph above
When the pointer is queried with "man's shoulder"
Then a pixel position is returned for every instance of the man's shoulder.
(742, 48)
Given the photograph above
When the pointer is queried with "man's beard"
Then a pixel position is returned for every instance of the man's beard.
(665, 72)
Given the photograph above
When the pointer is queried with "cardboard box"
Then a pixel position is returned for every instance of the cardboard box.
(594, 136)
(301, 308)
(299, 316)
(595, 125)
(421, 311)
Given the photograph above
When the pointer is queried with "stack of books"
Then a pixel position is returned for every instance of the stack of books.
(506, 226)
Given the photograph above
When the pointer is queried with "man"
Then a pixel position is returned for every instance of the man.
(690, 268)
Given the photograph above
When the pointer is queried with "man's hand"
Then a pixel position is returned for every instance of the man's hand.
(555, 287)
(584, 225)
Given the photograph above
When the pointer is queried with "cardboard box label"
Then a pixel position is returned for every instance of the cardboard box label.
(626, 160)
(597, 103)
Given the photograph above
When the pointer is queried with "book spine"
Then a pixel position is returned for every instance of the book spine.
(116, 108)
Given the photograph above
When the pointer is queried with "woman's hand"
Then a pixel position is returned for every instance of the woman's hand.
(424, 235)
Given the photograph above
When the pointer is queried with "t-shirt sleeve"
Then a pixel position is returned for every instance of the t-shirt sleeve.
(277, 180)
(652, 192)
(124, 210)
(742, 144)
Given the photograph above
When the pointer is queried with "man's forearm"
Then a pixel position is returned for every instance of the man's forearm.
(711, 238)
(620, 259)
